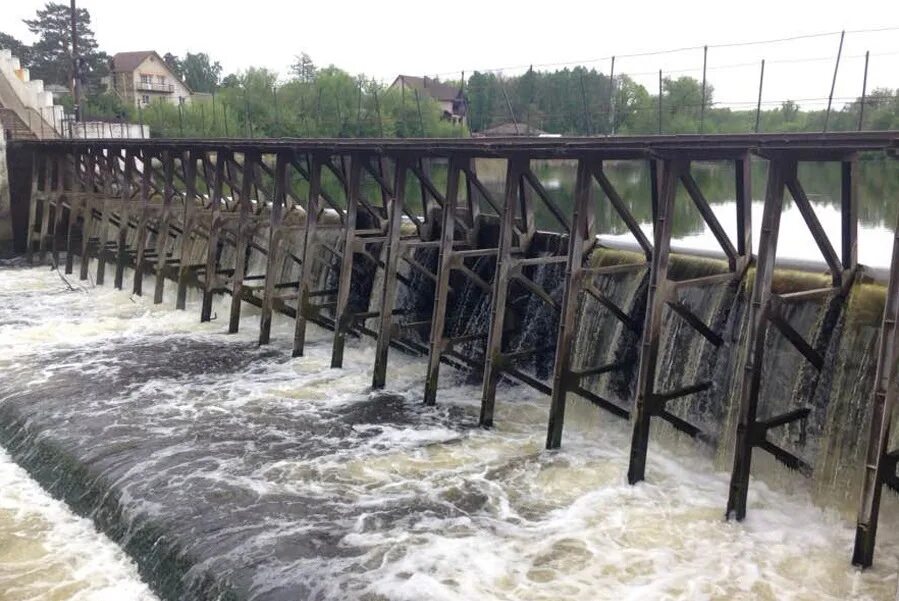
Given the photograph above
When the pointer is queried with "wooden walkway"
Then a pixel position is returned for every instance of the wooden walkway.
(329, 232)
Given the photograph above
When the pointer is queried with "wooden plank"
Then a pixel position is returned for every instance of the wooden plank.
(849, 212)
(143, 223)
(563, 378)
(709, 217)
(106, 203)
(163, 229)
(437, 342)
(779, 171)
(124, 205)
(274, 260)
(817, 230)
(621, 208)
(76, 208)
(189, 166)
(90, 206)
(649, 347)
(59, 198)
(743, 195)
(305, 290)
(879, 465)
(38, 162)
(210, 277)
(395, 209)
(243, 235)
(343, 318)
(516, 166)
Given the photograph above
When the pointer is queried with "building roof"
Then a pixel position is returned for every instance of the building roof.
(511, 129)
(129, 61)
(432, 87)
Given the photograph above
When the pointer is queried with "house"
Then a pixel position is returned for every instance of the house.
(143, 77)
(451, 98)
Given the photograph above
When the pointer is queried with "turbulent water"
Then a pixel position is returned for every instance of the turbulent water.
(243, 473)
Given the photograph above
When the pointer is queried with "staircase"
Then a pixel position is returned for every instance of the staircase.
(13, 126)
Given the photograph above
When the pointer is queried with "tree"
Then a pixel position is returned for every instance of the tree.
(200, 73)
(51, 58)
(304, 69)
(18, 49)
(174, 63)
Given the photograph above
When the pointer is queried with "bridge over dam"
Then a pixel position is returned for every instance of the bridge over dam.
(407, 243)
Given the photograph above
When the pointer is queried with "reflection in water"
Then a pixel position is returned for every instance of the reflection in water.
(287, 479)
(878, 207)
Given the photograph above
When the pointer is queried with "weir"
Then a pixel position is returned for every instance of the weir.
(402, 241)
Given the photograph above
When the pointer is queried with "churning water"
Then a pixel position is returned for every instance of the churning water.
(230, 471)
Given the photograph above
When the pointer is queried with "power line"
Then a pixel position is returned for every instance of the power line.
(641, 54)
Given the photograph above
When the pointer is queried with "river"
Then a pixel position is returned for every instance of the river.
(309, 486)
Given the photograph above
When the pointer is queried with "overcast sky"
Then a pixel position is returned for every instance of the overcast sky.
(386, 37)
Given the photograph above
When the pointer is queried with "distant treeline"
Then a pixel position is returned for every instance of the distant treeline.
(330, 102)
(581, 101)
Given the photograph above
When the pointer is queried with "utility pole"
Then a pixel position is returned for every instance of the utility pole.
(76, 65)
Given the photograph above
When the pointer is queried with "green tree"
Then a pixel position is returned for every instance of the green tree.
(200, 73)
(174, 63)
(18, 49)
(303, 68)
(51, 58)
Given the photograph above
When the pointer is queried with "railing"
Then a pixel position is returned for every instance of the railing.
(144, 86)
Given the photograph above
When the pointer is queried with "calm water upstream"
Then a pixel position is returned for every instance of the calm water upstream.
(292, 481)
(363, 496)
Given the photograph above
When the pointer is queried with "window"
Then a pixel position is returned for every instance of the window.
(147, 79)
(160, 79)
(145, 99)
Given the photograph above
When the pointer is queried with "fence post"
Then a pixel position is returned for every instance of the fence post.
(833, 84)
(660, 101)
(758, 106)
(612, 98)
(705, 56)
(861, 108)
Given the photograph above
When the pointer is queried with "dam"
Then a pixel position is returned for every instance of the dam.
(460, 281)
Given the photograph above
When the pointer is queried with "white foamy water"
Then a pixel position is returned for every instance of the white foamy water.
(426, 507)
(48, 553)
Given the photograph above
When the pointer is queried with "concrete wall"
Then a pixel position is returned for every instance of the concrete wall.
(101, 129)
(6, 238)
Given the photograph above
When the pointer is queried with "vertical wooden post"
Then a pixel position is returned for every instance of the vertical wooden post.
(76, 207)
(273, 260)
(58, 198)
(106, 202)
(310, 248)
(583, 199)
(50, 182)
(243, 236)
(189, 163)
(880, 464)
(645, 404)
(779, 171)
(143, 222)
(210, 280)
(37, 178)
(743, 187)
(444, 269)
(849, 213)
(162, 228)
(388, 291)
(342, 315)
(124, 218)
(90, 203)
(493, 353)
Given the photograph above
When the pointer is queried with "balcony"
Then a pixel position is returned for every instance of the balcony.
(146, 86)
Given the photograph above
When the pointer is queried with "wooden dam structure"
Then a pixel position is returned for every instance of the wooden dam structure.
(203, 213)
